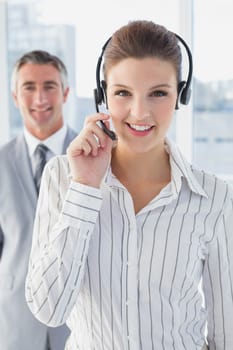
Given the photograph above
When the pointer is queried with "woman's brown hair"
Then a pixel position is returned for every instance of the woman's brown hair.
(141, 39)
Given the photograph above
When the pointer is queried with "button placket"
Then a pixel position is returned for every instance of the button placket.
(132, 287)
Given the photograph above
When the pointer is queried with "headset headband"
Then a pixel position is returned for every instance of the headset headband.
(184, 89)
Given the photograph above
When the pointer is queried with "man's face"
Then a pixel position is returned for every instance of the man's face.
(40, 96)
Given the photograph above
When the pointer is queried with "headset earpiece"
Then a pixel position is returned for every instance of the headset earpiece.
(104, 93)
(184, 90)
(100, 91)
(98, 98)
(179, 91)
(184, 94)
(99, 95)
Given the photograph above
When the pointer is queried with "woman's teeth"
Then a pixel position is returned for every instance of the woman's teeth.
(140, 127)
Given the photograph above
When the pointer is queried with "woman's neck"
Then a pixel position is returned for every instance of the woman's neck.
(150, 166)
(144, 175)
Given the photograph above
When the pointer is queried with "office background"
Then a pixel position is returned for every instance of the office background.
(76, 31)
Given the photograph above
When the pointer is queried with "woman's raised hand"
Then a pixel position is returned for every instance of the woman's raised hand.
(89, 154)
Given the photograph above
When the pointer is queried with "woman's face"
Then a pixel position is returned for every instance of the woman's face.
(141, 97)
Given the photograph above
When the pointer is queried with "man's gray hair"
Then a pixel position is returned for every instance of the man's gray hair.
(39, 57)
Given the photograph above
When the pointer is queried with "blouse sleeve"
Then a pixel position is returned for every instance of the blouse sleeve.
(65, 218)
(218, 280)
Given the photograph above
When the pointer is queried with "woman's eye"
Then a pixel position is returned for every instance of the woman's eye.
(159, 93)
(122, 93)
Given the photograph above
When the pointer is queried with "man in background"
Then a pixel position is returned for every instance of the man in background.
(39, 89)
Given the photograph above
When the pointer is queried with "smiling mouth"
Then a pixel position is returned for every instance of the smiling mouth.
(41, 110)
(140, 127)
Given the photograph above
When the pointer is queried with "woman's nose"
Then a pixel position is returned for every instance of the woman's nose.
(140, 108)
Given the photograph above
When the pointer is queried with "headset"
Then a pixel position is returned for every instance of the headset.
(184, 86)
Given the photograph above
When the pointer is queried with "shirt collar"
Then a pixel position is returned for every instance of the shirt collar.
(54, 142)
(180, 169)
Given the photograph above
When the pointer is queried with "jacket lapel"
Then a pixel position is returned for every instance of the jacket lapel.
(22, 165)
(23, 170)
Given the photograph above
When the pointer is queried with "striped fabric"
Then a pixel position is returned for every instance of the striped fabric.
(157, 280)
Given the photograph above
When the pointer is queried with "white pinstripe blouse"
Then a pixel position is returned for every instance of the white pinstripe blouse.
(131, 282)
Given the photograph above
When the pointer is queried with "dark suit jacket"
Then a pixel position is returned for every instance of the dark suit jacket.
(19, 329)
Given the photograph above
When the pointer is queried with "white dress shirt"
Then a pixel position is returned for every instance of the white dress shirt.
(131, 282)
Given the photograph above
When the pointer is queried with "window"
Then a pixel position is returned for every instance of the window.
(76, 31)
(213, 87)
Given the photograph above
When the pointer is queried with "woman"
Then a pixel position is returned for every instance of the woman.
(132, 246)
